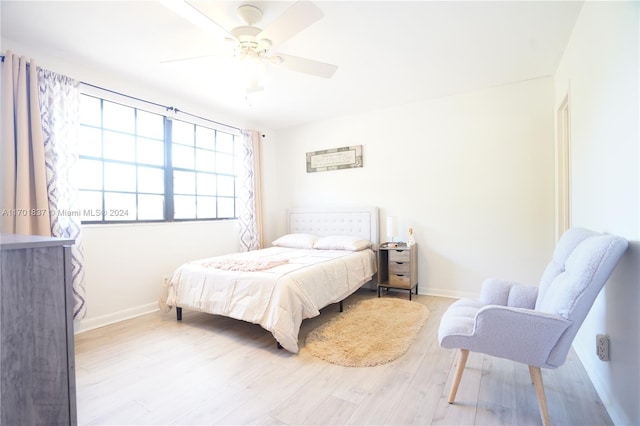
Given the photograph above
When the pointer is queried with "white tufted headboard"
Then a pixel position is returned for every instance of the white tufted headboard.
(355, 221)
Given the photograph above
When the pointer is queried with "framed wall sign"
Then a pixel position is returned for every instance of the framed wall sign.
(346, 157)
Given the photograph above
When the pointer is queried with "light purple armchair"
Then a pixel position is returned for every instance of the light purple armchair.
(534, 325)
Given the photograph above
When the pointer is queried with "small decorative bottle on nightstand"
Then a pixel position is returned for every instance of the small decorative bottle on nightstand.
(398, 267)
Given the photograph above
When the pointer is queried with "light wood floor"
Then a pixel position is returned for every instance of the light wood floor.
(214, 370)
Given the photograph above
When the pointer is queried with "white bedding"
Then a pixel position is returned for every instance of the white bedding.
(278, 298)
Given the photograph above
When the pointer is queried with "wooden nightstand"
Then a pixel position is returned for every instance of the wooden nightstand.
(398, 267)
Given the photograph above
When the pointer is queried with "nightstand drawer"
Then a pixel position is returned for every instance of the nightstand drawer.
(399, 281)
(399, 255)
(400, 268)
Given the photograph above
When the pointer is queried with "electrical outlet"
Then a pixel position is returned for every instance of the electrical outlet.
(602, 347)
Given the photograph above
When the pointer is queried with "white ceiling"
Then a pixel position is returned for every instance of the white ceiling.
(387, 52)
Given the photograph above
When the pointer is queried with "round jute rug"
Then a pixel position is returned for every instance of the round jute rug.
(371, 332)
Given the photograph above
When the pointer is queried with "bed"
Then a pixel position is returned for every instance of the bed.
(325, 256)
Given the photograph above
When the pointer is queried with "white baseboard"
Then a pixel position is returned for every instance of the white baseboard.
(92, 323)
(87, 324)
(440, 292)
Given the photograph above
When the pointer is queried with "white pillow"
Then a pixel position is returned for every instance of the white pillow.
(342, 242)
(303, 241)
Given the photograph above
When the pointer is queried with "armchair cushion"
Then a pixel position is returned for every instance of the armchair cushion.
(508, 293)
(565, 246)
(590, 262)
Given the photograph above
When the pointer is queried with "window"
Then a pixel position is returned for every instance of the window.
(138, 165)
(203, 172)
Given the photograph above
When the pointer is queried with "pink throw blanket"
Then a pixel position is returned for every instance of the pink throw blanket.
(244, 265)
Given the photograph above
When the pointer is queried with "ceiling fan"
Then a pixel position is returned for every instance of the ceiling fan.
(253, 45)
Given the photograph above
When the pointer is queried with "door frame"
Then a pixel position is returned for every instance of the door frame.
(563, 168)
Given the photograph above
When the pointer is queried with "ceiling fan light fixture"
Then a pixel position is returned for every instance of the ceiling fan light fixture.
(264, 44)
(249, 49)
(276, 60)
(251, 59)
(253, 88)
(253, 71)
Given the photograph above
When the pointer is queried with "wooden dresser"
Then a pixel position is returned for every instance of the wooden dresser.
(37, 366)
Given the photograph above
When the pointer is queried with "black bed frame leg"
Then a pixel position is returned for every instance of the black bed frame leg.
(179, 313)
(341, 307)
(279, 346)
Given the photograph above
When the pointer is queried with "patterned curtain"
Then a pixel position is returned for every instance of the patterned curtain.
(250, 192)
(60, 109)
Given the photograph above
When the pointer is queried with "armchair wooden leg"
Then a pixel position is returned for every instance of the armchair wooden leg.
(536, 377)
(462, 361)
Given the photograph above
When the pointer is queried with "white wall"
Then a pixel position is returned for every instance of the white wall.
(600, 72)
(472, 174)
(126, 264)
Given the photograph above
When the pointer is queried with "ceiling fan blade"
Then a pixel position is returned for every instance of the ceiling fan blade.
(307, 66)
(295, 19)
(192, 14)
